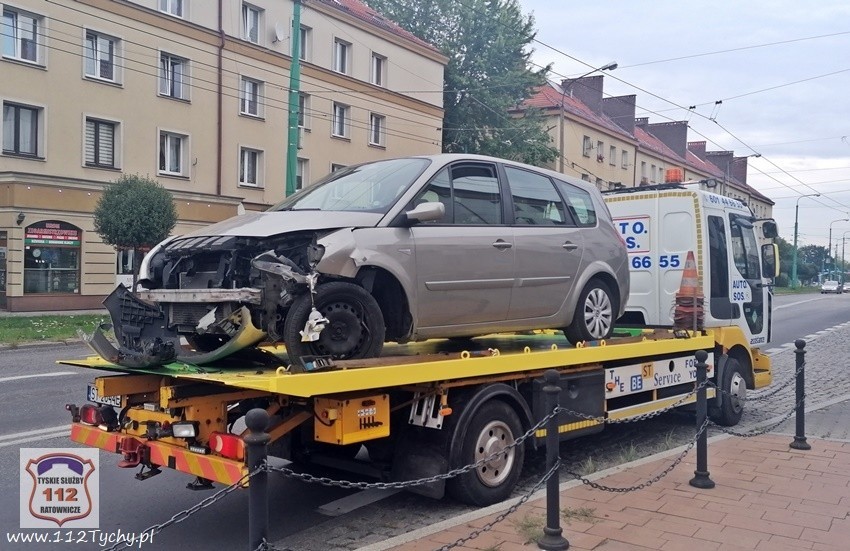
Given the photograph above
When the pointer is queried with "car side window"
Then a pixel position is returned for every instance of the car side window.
(579, 203)
(536, 202)
(470, 193)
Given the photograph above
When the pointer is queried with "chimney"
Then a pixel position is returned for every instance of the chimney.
(722, 160)
(641, 122)
(739, 169)
(698, 149)
(587, 90)
(621, 110)
(673, 134)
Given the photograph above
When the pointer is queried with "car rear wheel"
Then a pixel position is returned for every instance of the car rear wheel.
(355, 326)
(595, 314)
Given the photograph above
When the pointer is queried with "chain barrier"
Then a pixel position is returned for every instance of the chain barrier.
(489, 526)
(763, 430)
(347, 484)
(761, 396)
(186, 513)
(651, 481)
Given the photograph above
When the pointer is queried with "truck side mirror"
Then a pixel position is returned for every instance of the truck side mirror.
(770, 259)
(768, 229)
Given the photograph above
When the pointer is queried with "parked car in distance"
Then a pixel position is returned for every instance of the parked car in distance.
(830, 286)
(395, 250)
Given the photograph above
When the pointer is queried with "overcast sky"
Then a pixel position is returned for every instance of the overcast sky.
(802, 129)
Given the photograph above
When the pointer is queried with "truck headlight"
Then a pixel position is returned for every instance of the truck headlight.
(185, 429)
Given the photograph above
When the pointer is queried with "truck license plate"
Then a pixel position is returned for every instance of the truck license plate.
(106, 400)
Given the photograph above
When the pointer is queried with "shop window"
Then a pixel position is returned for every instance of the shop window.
(52, 258)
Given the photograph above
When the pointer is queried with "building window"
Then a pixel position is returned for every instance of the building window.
(643, 179)
(340, 120)
(21, 35)
(100, 143)
(600, 151)
(171, 7)
(624, 160)
(173, 149)
(173, 76)
(305, 46)
(586, 146)
(52, 258)
(379, 70)
(302, 174)
(337, 166)
(251, 97)
(303, 111)
(251, 23)
(652, 174)
(100, 56)
(250, 165)
(342, 55)
(20, 129)
(612, 156)
(377, 130)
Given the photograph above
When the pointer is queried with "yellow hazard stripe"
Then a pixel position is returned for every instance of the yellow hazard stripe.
(540, 433)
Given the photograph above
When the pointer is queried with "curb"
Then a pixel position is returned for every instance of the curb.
(39, 344)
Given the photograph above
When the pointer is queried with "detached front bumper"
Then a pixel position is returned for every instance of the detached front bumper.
(160, 454)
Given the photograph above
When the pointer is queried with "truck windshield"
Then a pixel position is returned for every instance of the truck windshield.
(370, 187)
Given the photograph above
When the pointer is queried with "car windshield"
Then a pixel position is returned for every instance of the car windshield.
(370, 187)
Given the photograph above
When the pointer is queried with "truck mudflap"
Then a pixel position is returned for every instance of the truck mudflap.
(160, 454)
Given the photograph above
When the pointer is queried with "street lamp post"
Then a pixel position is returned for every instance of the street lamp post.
(796, 218)
(607, 67)
(829, 249)
(842, 255)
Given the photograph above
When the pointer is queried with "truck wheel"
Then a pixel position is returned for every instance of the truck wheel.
(355, 327)
(493, 428)
(594, 316)
(734, 387)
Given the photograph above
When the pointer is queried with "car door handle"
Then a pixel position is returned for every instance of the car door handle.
(570, 246)
(499, 244)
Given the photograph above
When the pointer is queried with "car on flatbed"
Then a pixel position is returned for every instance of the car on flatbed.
(396, 250)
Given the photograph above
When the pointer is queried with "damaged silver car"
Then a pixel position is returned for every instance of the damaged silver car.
(397, 250)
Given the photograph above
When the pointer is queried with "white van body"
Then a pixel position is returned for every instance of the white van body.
(661, 226)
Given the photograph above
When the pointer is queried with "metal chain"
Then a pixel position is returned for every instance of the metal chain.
(764, 430)
(325, 481)
(641, 417)
(489, 526)
(651, 481)
(186, 513)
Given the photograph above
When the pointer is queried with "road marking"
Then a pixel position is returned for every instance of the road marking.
(51, 374)
(775, 308)
(33, 432)
(354, 501)
(37, 438)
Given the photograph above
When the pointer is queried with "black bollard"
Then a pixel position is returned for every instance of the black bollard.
(256, 448)
(799, 442)
(553, 539)
(701, 476)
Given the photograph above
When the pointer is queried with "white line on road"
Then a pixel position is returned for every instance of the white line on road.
(57, 428)
(36, 438)
(34, 375)
(775, 308)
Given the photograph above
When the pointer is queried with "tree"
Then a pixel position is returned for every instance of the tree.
(134, 212)
(487, 76)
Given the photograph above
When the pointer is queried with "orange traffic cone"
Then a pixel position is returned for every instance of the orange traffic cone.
(689, 312)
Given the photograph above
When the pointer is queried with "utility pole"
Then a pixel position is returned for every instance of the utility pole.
(294, 95)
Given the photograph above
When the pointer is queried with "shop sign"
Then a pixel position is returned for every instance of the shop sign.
(52, 233)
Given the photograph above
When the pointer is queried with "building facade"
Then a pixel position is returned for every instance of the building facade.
(193, 93)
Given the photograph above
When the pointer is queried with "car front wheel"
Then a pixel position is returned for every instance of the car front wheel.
(354, 328)
(595, 314)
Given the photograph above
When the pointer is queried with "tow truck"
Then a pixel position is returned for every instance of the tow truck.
(422, 409)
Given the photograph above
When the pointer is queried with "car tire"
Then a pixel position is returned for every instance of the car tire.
(733, 395)
(493, 427)
(596, 311)
(355, 327)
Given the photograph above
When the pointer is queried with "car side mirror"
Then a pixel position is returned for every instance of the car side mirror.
(425, 212)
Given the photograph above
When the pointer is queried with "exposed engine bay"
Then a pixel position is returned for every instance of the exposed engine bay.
(220, 294)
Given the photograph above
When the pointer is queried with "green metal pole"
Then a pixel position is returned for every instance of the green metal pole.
(294, 88)
(794, 262)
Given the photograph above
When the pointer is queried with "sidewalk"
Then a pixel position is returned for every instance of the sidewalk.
(767, 497)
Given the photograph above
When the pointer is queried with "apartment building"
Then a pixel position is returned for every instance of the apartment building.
(193, 93)
(600, 139)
